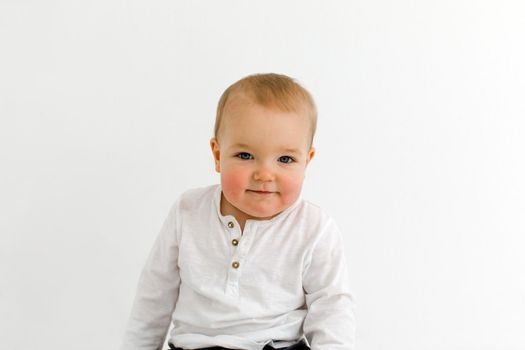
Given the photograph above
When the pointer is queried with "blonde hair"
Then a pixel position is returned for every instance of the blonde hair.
(271, 90)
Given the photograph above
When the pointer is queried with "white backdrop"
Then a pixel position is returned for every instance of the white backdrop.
(107, 108)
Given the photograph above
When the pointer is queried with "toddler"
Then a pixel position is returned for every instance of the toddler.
(247, 263)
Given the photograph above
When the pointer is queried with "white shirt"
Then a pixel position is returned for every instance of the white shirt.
(281, 280)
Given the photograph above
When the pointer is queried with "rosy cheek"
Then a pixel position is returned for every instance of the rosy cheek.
(291, 188)
(233, 183)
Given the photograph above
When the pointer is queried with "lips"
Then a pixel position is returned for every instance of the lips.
(261, 192)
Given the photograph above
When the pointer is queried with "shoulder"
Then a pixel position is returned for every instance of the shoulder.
(314, 214)
(198, 193)
(195, 198)
(315, 222)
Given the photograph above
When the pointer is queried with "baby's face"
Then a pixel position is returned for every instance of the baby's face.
(262, 158)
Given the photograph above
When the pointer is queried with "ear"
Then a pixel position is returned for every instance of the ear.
(216, 150)
(310, 155)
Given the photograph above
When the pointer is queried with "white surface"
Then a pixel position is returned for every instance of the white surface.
(107, 108)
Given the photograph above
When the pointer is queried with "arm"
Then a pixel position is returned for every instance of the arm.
(329, 323)
(157, 291)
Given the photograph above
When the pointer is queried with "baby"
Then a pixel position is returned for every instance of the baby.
(247, 263)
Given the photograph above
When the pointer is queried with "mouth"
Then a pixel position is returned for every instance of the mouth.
(261, 192)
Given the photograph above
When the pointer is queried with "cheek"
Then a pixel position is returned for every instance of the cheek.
(234, 182)
(291, 187)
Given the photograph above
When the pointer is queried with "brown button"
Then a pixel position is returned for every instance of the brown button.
(230, 224)
(235, 242)
(235, 264)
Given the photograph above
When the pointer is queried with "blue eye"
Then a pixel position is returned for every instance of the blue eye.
(244, 155)
(286, 159)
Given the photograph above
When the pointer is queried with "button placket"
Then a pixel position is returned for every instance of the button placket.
(235, 259)
(240, 247)
(236, 256)
(234, 263)
(231, 226)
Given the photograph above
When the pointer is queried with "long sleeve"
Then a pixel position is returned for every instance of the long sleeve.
(329, 323)
(157, 291)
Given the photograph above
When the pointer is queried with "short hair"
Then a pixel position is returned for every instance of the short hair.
(271, 90)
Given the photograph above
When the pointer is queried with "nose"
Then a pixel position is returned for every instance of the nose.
(263, 173)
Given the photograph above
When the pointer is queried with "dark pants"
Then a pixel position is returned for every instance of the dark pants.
(299, 346)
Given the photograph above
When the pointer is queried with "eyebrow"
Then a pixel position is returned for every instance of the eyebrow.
(292, 150)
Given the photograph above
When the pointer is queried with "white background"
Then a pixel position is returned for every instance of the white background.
(107, 108)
